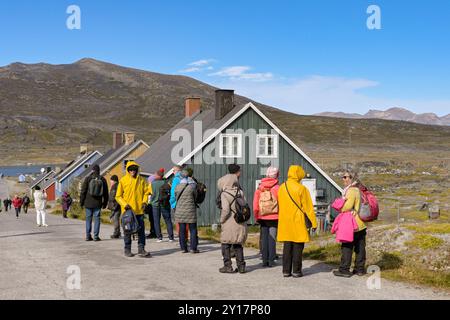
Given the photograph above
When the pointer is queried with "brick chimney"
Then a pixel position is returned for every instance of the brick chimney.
(118, 139)
(85, 147)
(224, 102)
(129, 137)
(192, 105)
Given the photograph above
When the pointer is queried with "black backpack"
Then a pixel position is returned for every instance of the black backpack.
(95, 187)
(201, 193)
(164, 194)
(129, 222)
(243, 212)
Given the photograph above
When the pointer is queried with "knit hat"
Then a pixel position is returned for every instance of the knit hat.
(160, 173)
(115, 178)
(233, 168)
(96, 168)
(272, 172)
(184, 173)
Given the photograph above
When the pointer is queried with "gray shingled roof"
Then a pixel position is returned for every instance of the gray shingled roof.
(103, 159)
(49, 181)
(76, 163)
(159, 153)
(110, 157)
(39, 178)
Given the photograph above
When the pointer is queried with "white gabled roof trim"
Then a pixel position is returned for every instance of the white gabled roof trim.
(80, 162)
(296, 147)
(231, 120)
(137, 143)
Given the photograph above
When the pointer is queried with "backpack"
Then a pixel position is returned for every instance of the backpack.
(129, 222)
(243, 212)
(164, 195)
(268, 204)
(369, 209)
(201, 193)
(95, 187)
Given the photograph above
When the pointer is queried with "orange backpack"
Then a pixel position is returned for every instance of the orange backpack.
(268, 204)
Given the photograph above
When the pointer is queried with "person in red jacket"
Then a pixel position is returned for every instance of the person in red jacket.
(17, 203)
(265, 208)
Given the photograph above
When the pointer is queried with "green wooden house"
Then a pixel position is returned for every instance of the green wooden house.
(209, 140)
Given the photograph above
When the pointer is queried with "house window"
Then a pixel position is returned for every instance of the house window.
(267, 146)
(230, 146)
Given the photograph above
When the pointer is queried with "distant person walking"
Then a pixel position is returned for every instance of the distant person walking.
(114, 207)
(9, 203)
(352, 204)
(132, 194)
(5, 204)
(17, 203)
(26, 203)
(295, 217)
(40, 202)
(186, 211)
(94, 196)
(233, 234)
(160, 202)
(66, 202)
(265, 208)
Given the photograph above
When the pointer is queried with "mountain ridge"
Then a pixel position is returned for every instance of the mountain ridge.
(394, 113)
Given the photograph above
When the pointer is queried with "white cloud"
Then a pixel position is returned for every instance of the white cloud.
(198, 66)
(316, 94)
(201, 63)
(240, 73)
(188, 70)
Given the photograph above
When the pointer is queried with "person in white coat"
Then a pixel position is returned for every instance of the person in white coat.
(40, 201)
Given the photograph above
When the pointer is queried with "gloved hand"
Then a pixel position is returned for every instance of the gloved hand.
(144, 205)
(127, 207)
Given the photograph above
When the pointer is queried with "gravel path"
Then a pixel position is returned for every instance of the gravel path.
(35, 261)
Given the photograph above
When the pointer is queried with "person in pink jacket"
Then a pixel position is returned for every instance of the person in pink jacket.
(344, 226)
(265, 208)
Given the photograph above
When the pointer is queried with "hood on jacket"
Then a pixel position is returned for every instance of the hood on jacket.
(129, 164)
(267, 183)
(229, 181)
(296, 173)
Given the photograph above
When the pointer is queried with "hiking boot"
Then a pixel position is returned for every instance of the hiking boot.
(97, 239)
(297, 275)
(240, 269)
(144, 254)
(185, 251)
(195, 251)
(287, 275)
(359, 273)
(128, 253)
(225, 269)
(89, 238)
(345, 274)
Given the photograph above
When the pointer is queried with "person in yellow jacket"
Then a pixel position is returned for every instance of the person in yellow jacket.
(295, 204)
(352, 203)
(132, 194)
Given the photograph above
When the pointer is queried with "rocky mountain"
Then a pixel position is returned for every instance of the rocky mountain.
(394, 114)
(47, 110)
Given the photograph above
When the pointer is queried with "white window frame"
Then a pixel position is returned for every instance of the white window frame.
(230, 136)
(275, 145)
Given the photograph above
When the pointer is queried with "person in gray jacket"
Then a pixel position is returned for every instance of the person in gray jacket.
(186, 210)
(233, 235)
(114, 207)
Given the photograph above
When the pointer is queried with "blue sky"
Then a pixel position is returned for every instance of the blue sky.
(301, 56)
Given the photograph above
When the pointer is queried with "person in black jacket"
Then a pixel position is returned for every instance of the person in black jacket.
(94, 196)
(26, 203)
(114, 207)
